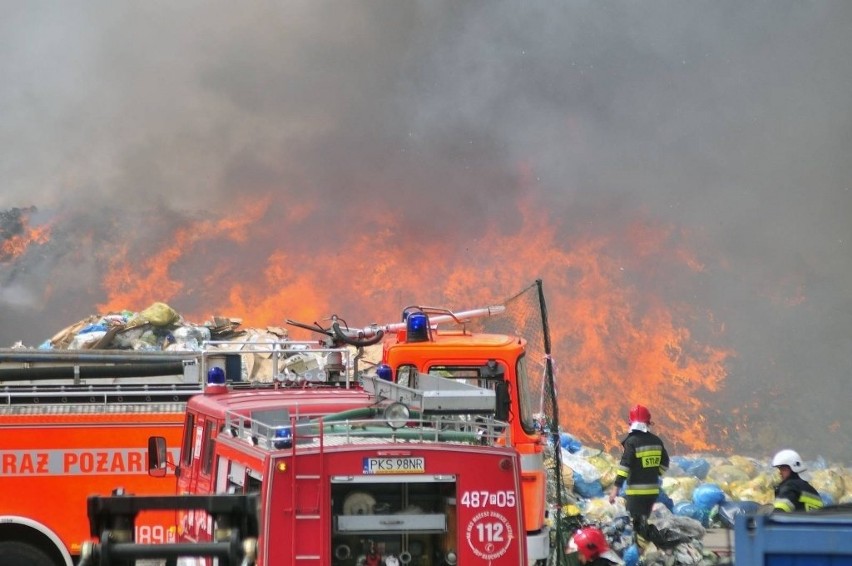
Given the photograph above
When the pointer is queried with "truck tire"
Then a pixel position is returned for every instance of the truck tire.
(16, 553)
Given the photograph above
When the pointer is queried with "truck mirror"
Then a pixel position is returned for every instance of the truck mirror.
(504, 401)
(157, 459)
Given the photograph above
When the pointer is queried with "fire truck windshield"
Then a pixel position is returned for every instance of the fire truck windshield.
(489, 378)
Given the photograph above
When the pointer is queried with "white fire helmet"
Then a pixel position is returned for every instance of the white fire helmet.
(789, 458)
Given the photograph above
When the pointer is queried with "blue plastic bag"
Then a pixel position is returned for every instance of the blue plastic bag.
(631, 555)
(569, 443)
(587, 488)
(708, 495)
(693, 511)
(698, 467)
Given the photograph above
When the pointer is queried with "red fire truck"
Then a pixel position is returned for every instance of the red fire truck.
(435, 341)
(352, 469)
(76, 423)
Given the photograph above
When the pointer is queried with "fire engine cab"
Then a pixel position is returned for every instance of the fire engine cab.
(352, 469)
(435, 341)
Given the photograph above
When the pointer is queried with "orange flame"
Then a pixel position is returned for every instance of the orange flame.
(616, 340)
(16, 245)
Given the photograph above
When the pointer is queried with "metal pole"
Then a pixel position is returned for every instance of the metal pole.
(554, 423)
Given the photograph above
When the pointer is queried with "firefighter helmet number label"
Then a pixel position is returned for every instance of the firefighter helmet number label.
(489, 535)
(403, 465)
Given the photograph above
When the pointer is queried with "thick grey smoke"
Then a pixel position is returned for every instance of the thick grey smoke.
(730, 120)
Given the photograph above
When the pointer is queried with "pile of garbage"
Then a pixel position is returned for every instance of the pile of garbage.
(159, 328)
(699, 492)
(156, 328)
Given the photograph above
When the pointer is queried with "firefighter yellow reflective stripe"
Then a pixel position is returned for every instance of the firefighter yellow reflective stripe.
(648, 491)
(784, 505)
(810, 501)
(650, 456)
(643, 489)
(650, 449)
(622, 471)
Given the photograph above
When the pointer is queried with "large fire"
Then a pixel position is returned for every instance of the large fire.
(622, 332)
(16, 234)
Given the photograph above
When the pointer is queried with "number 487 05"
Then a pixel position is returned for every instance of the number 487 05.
(485, 498)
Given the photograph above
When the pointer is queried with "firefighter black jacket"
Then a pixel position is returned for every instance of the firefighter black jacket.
(643, 462)
(795, 494)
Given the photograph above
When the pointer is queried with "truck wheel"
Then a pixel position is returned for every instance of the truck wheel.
(22, 554)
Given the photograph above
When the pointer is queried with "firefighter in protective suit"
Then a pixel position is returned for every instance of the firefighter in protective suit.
(642, 463)
(591, 547)
(793, 493)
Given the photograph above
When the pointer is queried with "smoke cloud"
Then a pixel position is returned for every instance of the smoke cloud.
(728, 122)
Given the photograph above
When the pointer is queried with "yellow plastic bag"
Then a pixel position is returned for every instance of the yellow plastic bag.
(725, 475)
(830, 482)
(680, 488)
(158, 314)
(747, 465)
(607, 466)
(761, 489)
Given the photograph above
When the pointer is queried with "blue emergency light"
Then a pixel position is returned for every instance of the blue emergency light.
(216, 376)
(283, 437)
(417, 327)
(385, 372)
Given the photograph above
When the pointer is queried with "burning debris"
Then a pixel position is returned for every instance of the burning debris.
(16, 234)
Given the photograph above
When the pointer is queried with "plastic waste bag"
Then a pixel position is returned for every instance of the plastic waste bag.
(690, 510)
(830, 482)
(680, 489)
(581, 466)
(87, 340)
(158, 314)
(601, 511)
(631, 555)
(708, 495)
(747, 465)
(588, 488)
(607, 467)
(697, 467)
(730, 510)
(760, 489)
(684, 527)
(725, 475)
(665, 537)
(569, 443)
(665, 500)
(189, 337)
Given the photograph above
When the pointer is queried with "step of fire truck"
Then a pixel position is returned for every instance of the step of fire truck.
(308, 520)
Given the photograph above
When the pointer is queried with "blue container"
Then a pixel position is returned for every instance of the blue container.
(794, 539)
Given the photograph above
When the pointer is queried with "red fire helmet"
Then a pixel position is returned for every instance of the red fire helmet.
(590, 542)
(640, 414)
